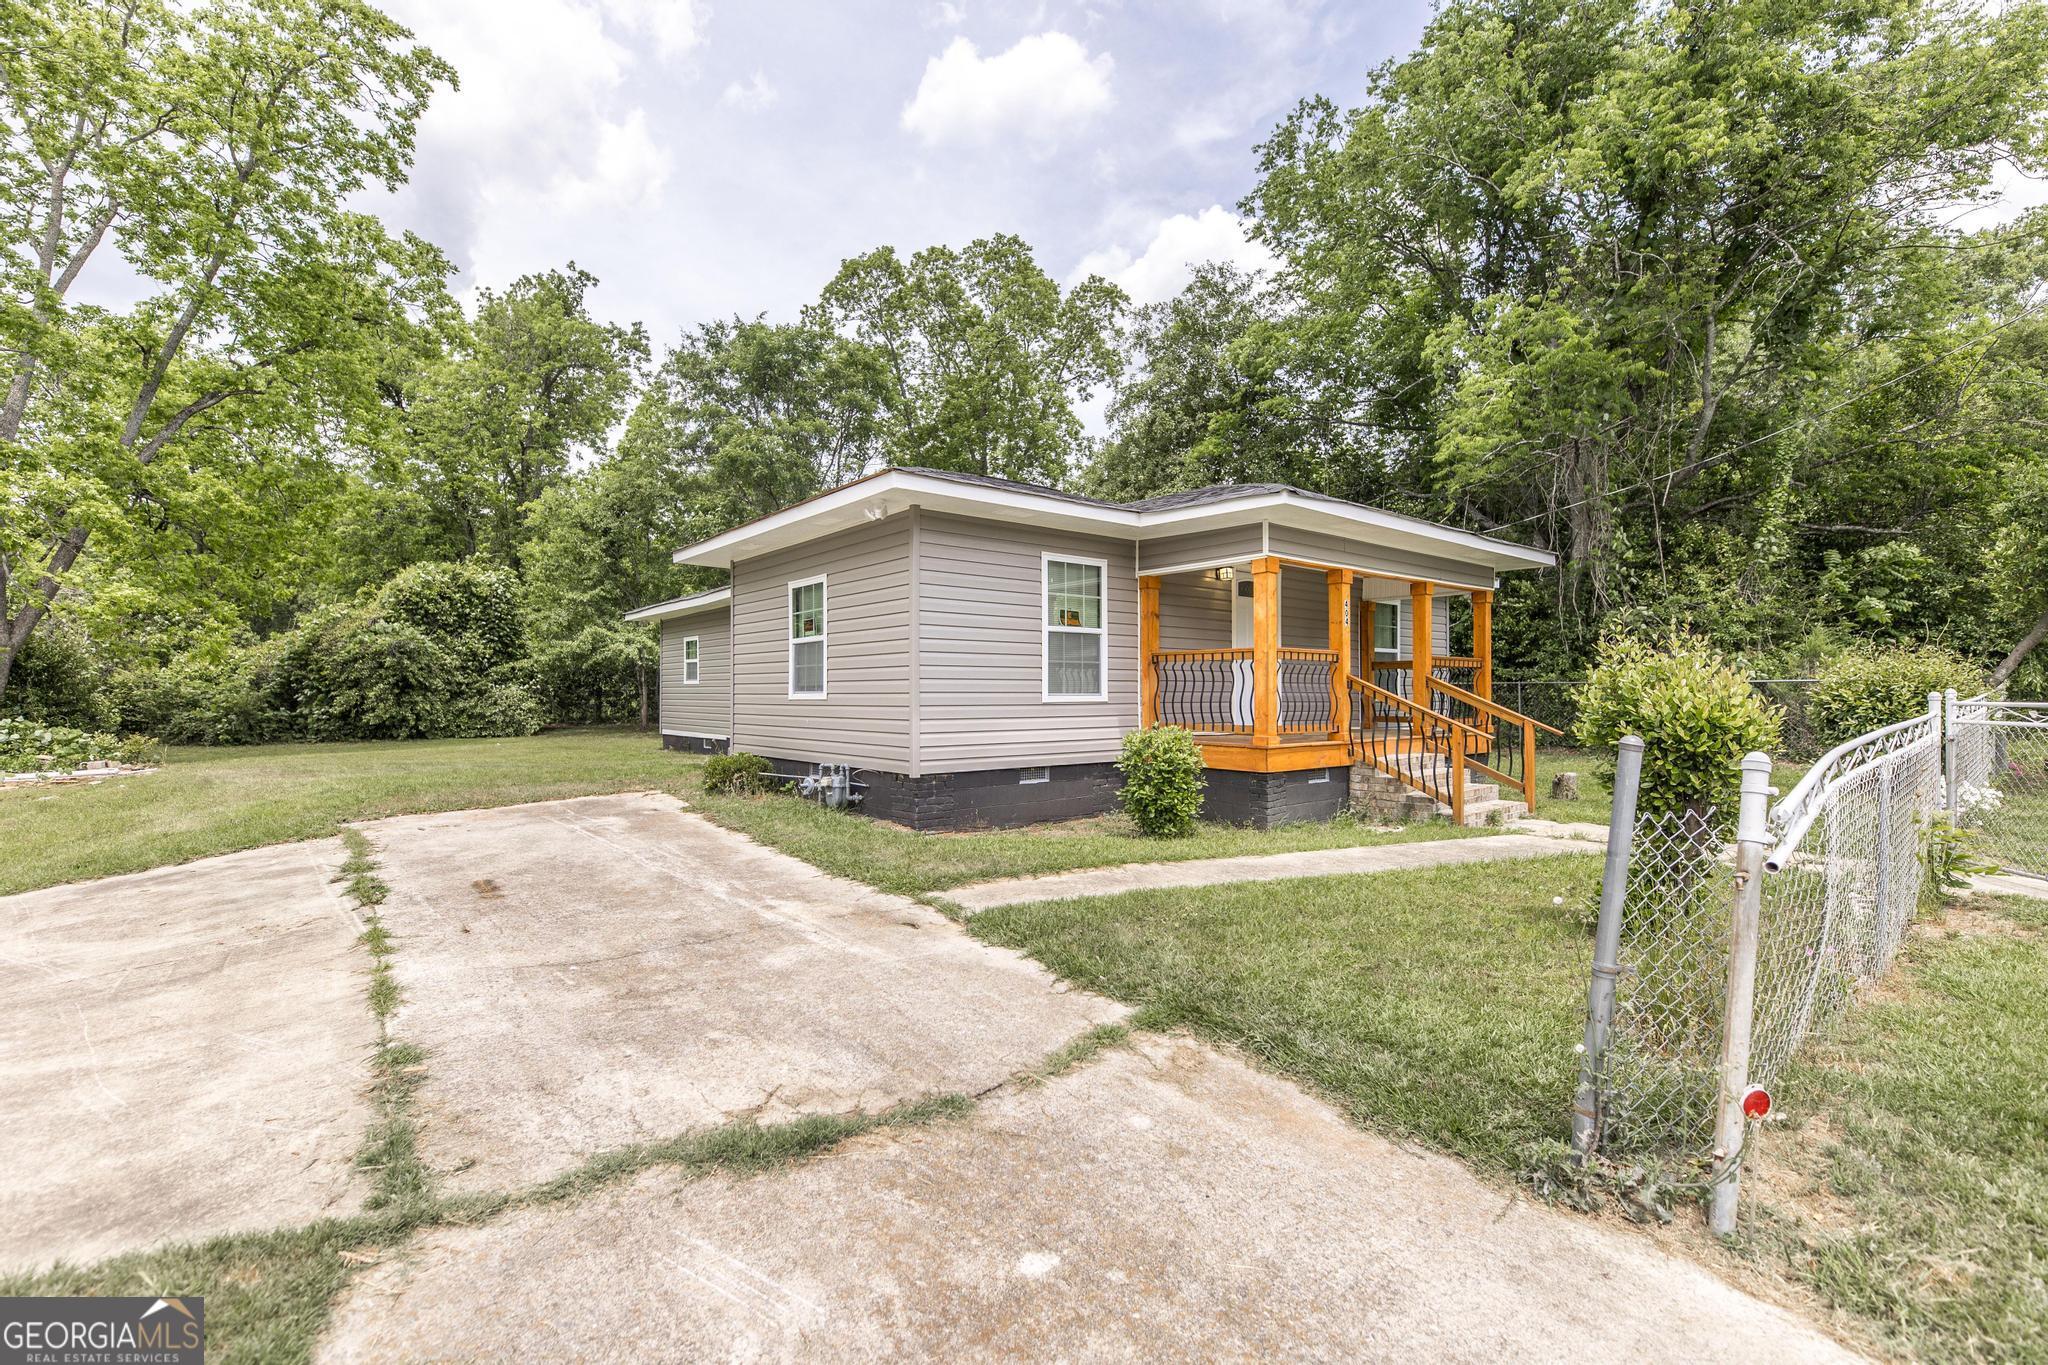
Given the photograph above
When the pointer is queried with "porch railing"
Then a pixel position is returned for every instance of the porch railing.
(1422, 748)
(1510, 737)
(1212, 691)
(1398, 675)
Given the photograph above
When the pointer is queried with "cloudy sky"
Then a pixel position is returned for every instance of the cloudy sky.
(711, 157)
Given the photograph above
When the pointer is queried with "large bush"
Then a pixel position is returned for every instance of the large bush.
(1163, 780)
(437, 653)
(57, 680)
(1697, 715)
(1868, 686)
(234, 700)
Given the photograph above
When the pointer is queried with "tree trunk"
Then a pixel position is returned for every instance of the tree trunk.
(2000, 675)
(640, 679)
(7, 653)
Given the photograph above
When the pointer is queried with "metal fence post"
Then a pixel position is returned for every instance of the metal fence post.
(1948, 758)
(1621, 828)
(1752, 842)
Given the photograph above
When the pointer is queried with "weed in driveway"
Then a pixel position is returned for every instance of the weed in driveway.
(390, 1150)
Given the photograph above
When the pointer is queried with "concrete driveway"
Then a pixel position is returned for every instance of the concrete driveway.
(182, 1051)
(590, 973)
(186, 1052)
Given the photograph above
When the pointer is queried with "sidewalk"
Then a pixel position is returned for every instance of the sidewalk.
(1109, 881)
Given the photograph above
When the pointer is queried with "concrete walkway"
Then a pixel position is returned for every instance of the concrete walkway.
(1270, 867)
(2009, 884)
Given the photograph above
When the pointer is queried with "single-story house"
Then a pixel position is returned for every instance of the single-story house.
(976, 648)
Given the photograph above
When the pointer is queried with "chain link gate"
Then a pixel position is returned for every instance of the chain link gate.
(1998, 779)
(1715, 959)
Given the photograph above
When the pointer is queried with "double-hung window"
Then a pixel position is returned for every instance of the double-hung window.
(691, 659)
(1386, 628)
(1074, 663)
(807, 638)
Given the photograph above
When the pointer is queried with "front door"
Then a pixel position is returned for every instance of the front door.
(1241, 611)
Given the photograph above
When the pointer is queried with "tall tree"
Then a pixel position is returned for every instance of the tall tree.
(215, 147)
(743, 418)
(986, 355)
(1586, 258)
(538, 384)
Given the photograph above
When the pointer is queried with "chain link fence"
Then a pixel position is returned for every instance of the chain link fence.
(1999, 782)
(1716, 958)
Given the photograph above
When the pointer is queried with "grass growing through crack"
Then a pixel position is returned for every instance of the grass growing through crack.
(390, 1150)
(269, 1294)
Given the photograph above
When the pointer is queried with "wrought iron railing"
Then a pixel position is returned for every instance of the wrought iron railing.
(1305, 690)
(1508, 737)
(1206, 690)
(1213, 691)
(1423, 749)
(1398, 675)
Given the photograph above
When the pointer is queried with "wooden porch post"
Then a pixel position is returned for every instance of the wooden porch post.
(1265, 653)
(1482, 641)
(1339, 581)
(1148, 645)
(1422, 622)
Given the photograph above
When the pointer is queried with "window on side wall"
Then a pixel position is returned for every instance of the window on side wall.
(1074, 642)
(690, 659)
(807, 638)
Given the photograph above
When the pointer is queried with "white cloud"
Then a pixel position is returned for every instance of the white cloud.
(751, 95)
(1045, 85)
(1178, 245)
(624, 169)
(676, 26)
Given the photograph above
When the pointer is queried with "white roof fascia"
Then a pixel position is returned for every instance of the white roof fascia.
(894, 490)
(681, 606)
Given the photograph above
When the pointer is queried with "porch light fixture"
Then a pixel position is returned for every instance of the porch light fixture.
(1225, 574)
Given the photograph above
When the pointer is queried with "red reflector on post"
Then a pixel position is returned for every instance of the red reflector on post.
(1756, 1102)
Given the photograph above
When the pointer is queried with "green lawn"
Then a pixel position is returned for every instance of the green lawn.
(1596, 801)
(912, 864)
(1919, 1202)
(208, 801)
(1438, 1005)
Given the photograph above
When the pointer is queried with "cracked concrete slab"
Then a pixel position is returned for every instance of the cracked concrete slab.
(1259, 867)
(605, 970)
(1165, 1202)
(183, 1052)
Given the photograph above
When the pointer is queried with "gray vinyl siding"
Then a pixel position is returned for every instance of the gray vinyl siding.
(1194, 612)
(1225, 545)
(1304, 609)
(864, 716)
(980, 626)
(704, 707)
(1345, 553)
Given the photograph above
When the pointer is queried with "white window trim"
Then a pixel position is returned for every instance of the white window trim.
(1046, 628)
(691, 665)
(824, 649)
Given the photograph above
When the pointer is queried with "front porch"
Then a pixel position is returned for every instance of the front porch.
(1281, 665)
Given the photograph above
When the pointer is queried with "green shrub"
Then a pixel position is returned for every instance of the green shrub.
(235, 700)
(28, 746)
(1868, 686)
(1696, 713)
(470, 608)
(1163, 780)
(57, 680)
(736, 774)
(139, 751)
